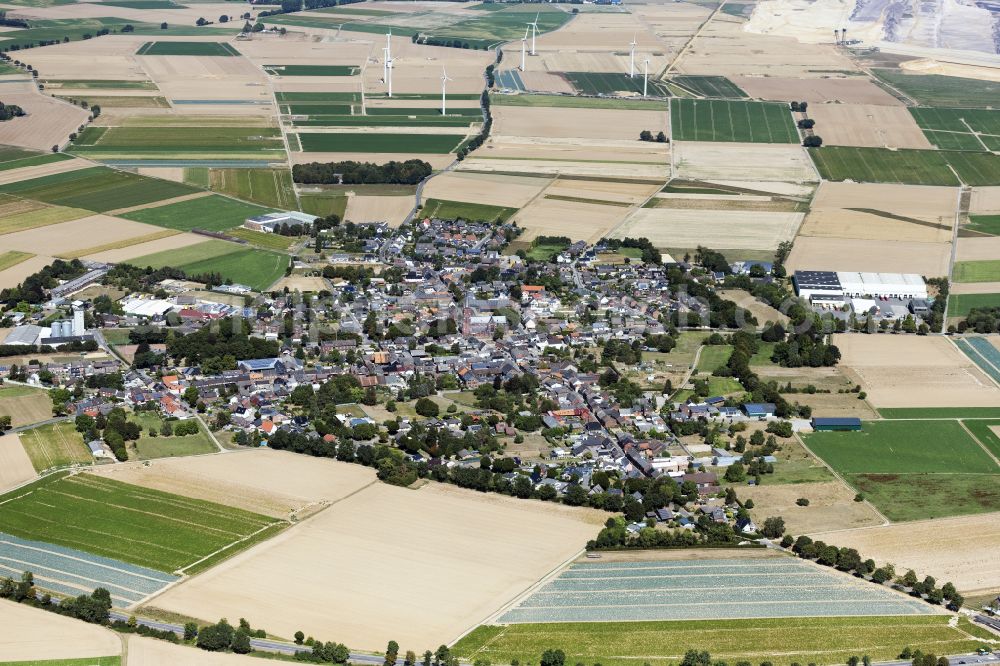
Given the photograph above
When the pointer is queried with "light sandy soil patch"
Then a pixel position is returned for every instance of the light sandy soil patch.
(14, 275)
(79, 59)
(831, 506)
(182, 14)
(393, 210)
(911, 371)
(48, 122)
(274, 483)
(153, 652)
(854, 90)
(742, 161)
(391, 554)
(978, 249)
(762, 311)
(302, 283)
(586, 61)
(78, 234)
(149, 247)
(842, 254)
(34, 634)
(167, 173)
(774, 187)
(438, 161)
(28, 173)
(593, 158)
(491, 189)
(985, 200)
(216, 78)
(417, 68)
(630, 193)
(598, 32)
(867, 125)
(551, 123)
(546, 82)
(34, 407)
(15, 465)
(722, 229)
(686, 554)
(573, 219)
(961, 549)
(298, 49)
(540, 167)
(975, 288)
(966, 71)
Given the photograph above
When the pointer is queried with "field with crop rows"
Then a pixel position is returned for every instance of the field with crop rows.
(214, 213)
(55, 445)
(379, 143)
(936, 90)
(710, 86)
(824, 641)
(187, 49)
(97, 189)
(720, 120)
(911, 470)
(312, 70)
(977, 271)
(959, 305)
(702, 590)
(612, 83)
(910, 167)
(258, 269)
(268, 187)
(74, 572)
(983, 354)
(453, 210)
(106, 142)
(32, 160)
(125, 522)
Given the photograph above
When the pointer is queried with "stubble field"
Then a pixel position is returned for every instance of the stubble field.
(15, 465)
(867, 125)
(31, 634)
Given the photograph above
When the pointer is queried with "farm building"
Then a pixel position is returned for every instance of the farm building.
(836, 424)
(827, 285)
(759, 410)
(268, 223)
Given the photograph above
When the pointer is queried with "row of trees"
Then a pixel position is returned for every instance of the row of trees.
(9, 111)
(646, 135)
(350, 172)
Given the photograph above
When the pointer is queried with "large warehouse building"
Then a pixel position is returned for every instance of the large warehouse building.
(842, 286)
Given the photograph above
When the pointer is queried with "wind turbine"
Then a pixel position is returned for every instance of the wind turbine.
(534, 32)
(645, 76)
(524, 41)
(444, 86)
(631, 58)
(388, 64)
(388, 43)
(385, 64)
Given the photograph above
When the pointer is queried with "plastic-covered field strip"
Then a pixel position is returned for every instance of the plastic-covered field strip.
(704, 590)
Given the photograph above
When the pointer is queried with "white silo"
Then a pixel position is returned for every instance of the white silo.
(78, 328)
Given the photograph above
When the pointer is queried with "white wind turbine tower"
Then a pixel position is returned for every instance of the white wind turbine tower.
(444, 88)
(534, 32)
(631, 58)
(645, 76)
(524, 41)
(388, 63)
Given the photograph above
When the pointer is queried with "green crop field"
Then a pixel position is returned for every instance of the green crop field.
(312, 70)
(261, 239)
(713, 357)
(379, 143)
(937, 90)
(719, 120)
(977, 271)
(324, 204)
(453, 210)
(105, 84)
(97, 189)
(148, 447)
(106, 142)
(316, 97)
(33, 160)
(940, 412)
(187, 49)
(959, 305)
(710, 86)
(911, 470)
(213, 212)
(570, 102)
(384, 121)
(823, 641)
(139, 525)
(258, 269)
(611, 83)
(910, 167)
(953, 140)
(983, 431)
(268, 187)
(55, 445)
(8, 153)
(957, 129)
(984, 224)
(12, 258)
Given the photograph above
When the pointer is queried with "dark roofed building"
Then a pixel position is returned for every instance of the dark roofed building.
(836, 424)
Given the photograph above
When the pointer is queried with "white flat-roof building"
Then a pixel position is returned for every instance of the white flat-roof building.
(267, 223)
(146, 307)
(830, 285)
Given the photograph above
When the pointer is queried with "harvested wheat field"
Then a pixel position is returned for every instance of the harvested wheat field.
(867, 125)
(978, 249)
(556, 123)
(144, 651)
(843, 254)
(145, 248)
(361, 208)
(961, 549)
(695, 160)
(573, 219)
(985, 200)
(816, 91)
(302, 283)
(417, 566)
(911, 371)
(717, 229)
(28, 173)
(831, 506)
(601, 190)
(67, 237)
(975, 288)
(546, 82)
(489, 189)
(14, 275)
(48, 122)
(274, 483)
(34, 634)
(15, 466)
(25, 406)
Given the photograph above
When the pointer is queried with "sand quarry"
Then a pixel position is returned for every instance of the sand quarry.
(912, 371)
(386, 554)
(960, 549)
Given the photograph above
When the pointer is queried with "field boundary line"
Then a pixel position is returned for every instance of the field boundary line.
(995, 460)
(840, 478)
(231, 544)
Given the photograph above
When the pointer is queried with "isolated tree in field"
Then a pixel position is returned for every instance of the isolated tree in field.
(201, 21)
(661, 137)
(4, 423)
(427, 407)
(773, 527)
(553, 658)
(645, 135)
(164, 26)
(813, 141)
(223, 19)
